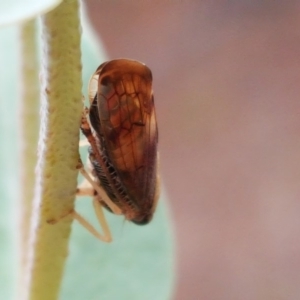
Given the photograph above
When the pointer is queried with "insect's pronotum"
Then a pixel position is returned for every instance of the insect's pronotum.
(123, 140)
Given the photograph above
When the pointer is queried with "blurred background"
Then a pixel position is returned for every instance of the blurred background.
(226, 82)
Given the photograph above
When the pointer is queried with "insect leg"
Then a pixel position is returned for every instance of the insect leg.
(106, 236)
(89, 191)
(85, 191)
(115, 209)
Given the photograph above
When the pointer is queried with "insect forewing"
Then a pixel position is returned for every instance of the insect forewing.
(128, 126)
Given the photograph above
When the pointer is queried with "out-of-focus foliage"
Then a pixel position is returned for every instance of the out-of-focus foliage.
(14, 11)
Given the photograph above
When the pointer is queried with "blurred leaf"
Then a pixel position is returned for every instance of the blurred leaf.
(8, 161)
(14, 11)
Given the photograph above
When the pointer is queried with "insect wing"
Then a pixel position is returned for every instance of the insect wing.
(128, 124)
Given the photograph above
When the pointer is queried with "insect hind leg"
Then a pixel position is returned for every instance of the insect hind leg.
(90, 188)
(84, 190)
(106, 235)
(115, 209)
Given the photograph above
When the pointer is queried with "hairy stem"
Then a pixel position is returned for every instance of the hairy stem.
(57, 151)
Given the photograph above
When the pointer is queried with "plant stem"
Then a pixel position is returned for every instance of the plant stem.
(29, 125)
(58, 151)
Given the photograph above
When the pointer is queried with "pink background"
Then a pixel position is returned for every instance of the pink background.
(226, 82)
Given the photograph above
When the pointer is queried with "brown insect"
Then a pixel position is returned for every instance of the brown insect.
(123, 140)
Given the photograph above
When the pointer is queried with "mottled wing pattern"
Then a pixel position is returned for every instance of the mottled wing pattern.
(128, 125)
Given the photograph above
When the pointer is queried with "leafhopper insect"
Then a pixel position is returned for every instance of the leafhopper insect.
(123, 139)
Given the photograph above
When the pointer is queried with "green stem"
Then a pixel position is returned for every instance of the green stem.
(58, 151)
